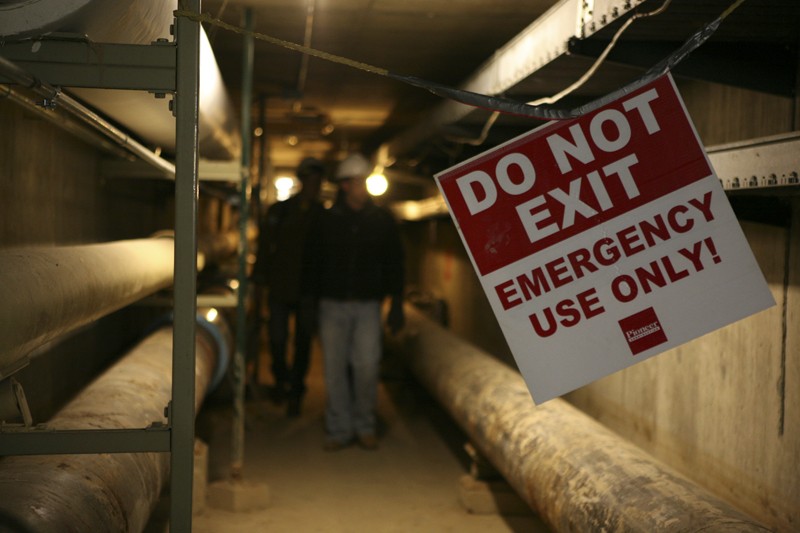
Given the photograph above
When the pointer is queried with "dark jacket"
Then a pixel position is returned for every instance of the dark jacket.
(356, 255)
(282, 241)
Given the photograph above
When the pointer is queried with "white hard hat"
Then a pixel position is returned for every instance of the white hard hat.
(353, 166)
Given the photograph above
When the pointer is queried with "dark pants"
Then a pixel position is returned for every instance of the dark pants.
(291, 377)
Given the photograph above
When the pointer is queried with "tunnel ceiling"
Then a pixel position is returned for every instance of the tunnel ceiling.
(324, 109)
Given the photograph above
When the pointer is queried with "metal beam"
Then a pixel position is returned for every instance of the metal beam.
(207, 170)
(186, 191)
(767, 164)
(72, 63)
(542, 42)
(48, 442)
(239, 369)
(747, 65)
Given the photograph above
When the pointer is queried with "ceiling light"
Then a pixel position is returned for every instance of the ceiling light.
(377, 184)
(284, 186)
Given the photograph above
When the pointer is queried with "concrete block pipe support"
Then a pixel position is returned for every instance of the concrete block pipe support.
(104, 492)
(578, 475)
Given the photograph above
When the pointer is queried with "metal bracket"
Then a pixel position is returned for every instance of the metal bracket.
(766, 164)
(168, 413)
(14, 367)
(13, 404)
(51, 103)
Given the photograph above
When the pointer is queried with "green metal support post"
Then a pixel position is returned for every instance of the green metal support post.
(181, 414)
(237, 454)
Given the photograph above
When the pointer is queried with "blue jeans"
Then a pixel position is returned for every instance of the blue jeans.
(350, 332)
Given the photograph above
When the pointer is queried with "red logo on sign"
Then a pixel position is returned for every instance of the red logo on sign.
(642, 331)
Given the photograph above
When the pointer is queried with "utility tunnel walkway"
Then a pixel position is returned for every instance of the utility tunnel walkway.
(567, 465)
(411, 483)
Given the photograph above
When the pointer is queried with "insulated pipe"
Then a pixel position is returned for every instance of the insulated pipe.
(213, 248)
(577, 474)
(47, 292)
(103, 492)
(140, 22)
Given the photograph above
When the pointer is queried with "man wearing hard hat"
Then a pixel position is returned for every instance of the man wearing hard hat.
(357, 260)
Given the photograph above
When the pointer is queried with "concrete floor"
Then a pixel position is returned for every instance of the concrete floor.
(409, 484)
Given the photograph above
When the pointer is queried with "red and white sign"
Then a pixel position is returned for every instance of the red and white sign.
(603, 240)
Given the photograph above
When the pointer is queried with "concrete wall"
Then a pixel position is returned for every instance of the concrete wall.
(724, 409)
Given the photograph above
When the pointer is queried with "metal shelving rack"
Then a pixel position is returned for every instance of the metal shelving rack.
(161, 68)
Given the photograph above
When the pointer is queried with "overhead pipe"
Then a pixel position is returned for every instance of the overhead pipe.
(108, 492)
(50, 291)
(214, 248)
(577, 474)
(47, 292)
(141, 22)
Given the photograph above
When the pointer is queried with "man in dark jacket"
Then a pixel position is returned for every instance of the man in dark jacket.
(357, 260)
(282, 242)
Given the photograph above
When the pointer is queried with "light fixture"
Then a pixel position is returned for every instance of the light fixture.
(258, 132)
(284, 186)
(377, 184)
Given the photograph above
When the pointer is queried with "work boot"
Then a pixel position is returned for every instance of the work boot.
(293, 406)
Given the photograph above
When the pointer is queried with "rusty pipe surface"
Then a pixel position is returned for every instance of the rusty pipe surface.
(577, 474)
(105, 492)
(49, 291)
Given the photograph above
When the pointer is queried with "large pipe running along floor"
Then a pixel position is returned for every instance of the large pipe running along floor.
(105, 492)
(577, 474)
